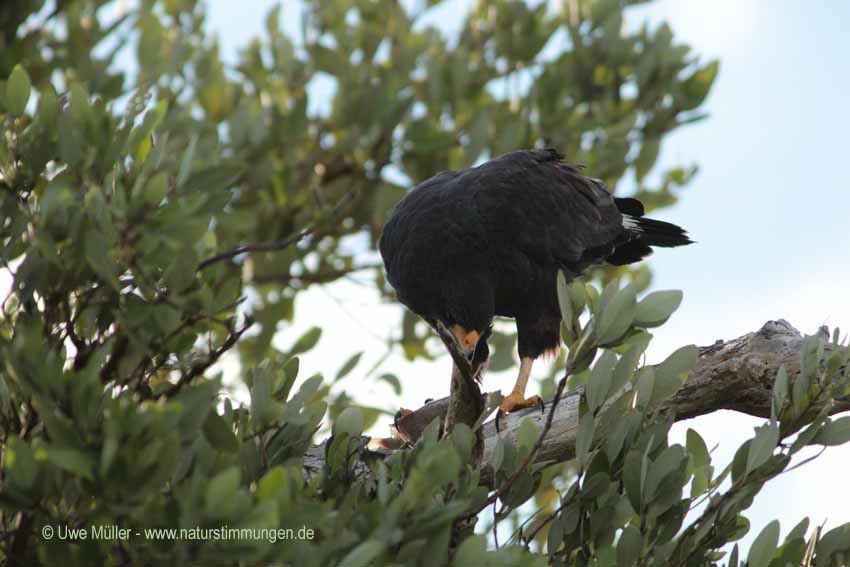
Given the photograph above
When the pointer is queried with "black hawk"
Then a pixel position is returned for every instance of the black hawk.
(465, 246)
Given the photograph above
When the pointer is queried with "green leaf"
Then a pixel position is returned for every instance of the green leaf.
(98, 256)
(472, 551)
(464, 439)
(186, 161)
(697, 449)
(48, 107)
(264, 408)
(629, 547)
(695, 88)
(836, 540)
(565, 303)
(555, 537)
(656, 308)
(764, 546)
(348, 366)
(18, 91)
(733, 557)
(349, 421)
(393, 381)
(272, 484)
(617, 315)
(578, 297)
(644, 386)
(71, 139)
(739, 461)
(155, 189)
(308, 389)
(834, 432)
(593, 298)
(599, 381)
(140, 138)
(608, 293)
(632, 466)
(222, 487)
(762, 446)
(671, 374)
(701, 463)
(798, 531)
(807, 435)
(699, 482)
(780, 392)
(80, 105)
(219, 433)
(213, 180)
(71, 460)
(498, 454)
(667, 462)
(287, 377)
(20, 466)
(584, 438)
(306, 342)
(527, 434)
(624, 371)
(364, 554)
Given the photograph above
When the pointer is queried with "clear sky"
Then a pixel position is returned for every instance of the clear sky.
(770, 210)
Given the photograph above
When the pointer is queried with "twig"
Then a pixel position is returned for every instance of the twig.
(806, 461)
(527, 521)
(545, 521)
(199, 367)
(313, 278)
(279, 244)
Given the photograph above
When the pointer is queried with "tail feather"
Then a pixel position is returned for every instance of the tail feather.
(629, 253)
(629, 206)
(644, 233)
(657, 233)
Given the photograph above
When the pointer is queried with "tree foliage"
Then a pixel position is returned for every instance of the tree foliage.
(162, 207)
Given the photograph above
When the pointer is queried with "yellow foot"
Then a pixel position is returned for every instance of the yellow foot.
(515, 401)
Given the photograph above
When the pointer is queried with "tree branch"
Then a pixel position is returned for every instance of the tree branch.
(283, 243)
(736, 375)
(200, 367)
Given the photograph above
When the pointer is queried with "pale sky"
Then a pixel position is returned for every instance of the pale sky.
(769, 210)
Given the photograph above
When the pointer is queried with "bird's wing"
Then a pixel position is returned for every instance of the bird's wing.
(433, 232)
(535, 205)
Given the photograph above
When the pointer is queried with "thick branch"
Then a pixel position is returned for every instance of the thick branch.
(736, 375)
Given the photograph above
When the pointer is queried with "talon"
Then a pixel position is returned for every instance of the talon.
(498, 418)
(542, 404)
(516, 401)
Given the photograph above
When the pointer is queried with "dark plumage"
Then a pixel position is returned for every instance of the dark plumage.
(466, 245)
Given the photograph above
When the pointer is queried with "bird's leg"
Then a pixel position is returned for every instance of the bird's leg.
(516, 400)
